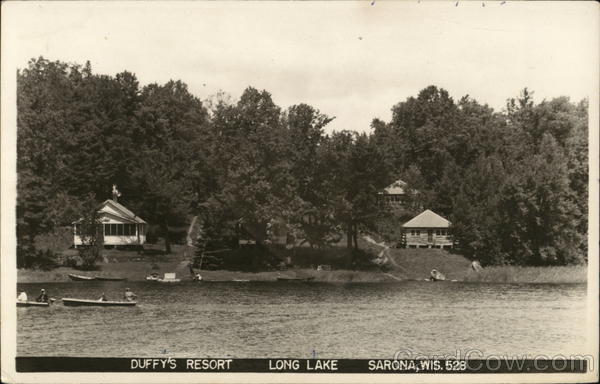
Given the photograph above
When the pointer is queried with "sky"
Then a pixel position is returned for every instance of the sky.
(351, 60)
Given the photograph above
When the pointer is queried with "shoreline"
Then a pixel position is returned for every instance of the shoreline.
(60, 275)
(137, 271)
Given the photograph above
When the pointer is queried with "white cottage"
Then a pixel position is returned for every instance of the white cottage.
(120, 226)
(427, 230)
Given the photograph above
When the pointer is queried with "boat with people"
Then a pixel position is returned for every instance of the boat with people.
(436, 275)
(42, 300)
(72, 302)
(75, 277)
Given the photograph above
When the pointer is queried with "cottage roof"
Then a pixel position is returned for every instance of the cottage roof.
(121, 210)
(396, 188)
(427, 219)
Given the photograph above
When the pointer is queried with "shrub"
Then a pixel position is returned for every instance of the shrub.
(89, 255)
(29, 257)
(71, 262)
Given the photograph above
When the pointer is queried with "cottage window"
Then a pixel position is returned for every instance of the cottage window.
(412, 232)
(418, 232)
(437, 232)
(129, 229)
(443, 232)
(120, 229)
(112, 229)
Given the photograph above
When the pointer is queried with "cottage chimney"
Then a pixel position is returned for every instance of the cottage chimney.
(115, 193)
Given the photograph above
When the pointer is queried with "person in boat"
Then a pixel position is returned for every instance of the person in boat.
(103, 297)
(42, 298)
(436, 275)
(129, 295)
(22, 296)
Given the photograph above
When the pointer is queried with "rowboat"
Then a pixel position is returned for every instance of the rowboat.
(80, 277)
(31, 304)
(108, 278)
(70, 302)
(240, 280)
(295, 278)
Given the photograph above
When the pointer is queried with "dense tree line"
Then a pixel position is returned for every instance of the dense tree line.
(513, 183)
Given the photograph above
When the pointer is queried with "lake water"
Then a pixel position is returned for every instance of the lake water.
(302, 320)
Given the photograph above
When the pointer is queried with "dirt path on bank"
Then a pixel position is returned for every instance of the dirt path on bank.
(384, 256)
(189, 240)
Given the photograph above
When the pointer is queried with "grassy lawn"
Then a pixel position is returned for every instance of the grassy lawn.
(418, 263)
(512, 274)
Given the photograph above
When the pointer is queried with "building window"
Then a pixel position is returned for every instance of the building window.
(129, 229)
(118, 229)
(412, 232)
(437, 232)
(418, 232)
(110, 229)
(443, 232)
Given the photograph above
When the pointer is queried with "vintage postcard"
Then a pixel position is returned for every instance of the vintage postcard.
(299, 191)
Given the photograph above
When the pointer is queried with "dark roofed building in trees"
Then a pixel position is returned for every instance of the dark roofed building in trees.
(395, 193)
(427, 230)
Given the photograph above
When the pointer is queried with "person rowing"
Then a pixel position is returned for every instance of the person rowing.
(42, 298)
(129, 295)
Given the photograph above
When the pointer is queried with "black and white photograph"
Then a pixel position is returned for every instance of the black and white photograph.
(299, 191)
